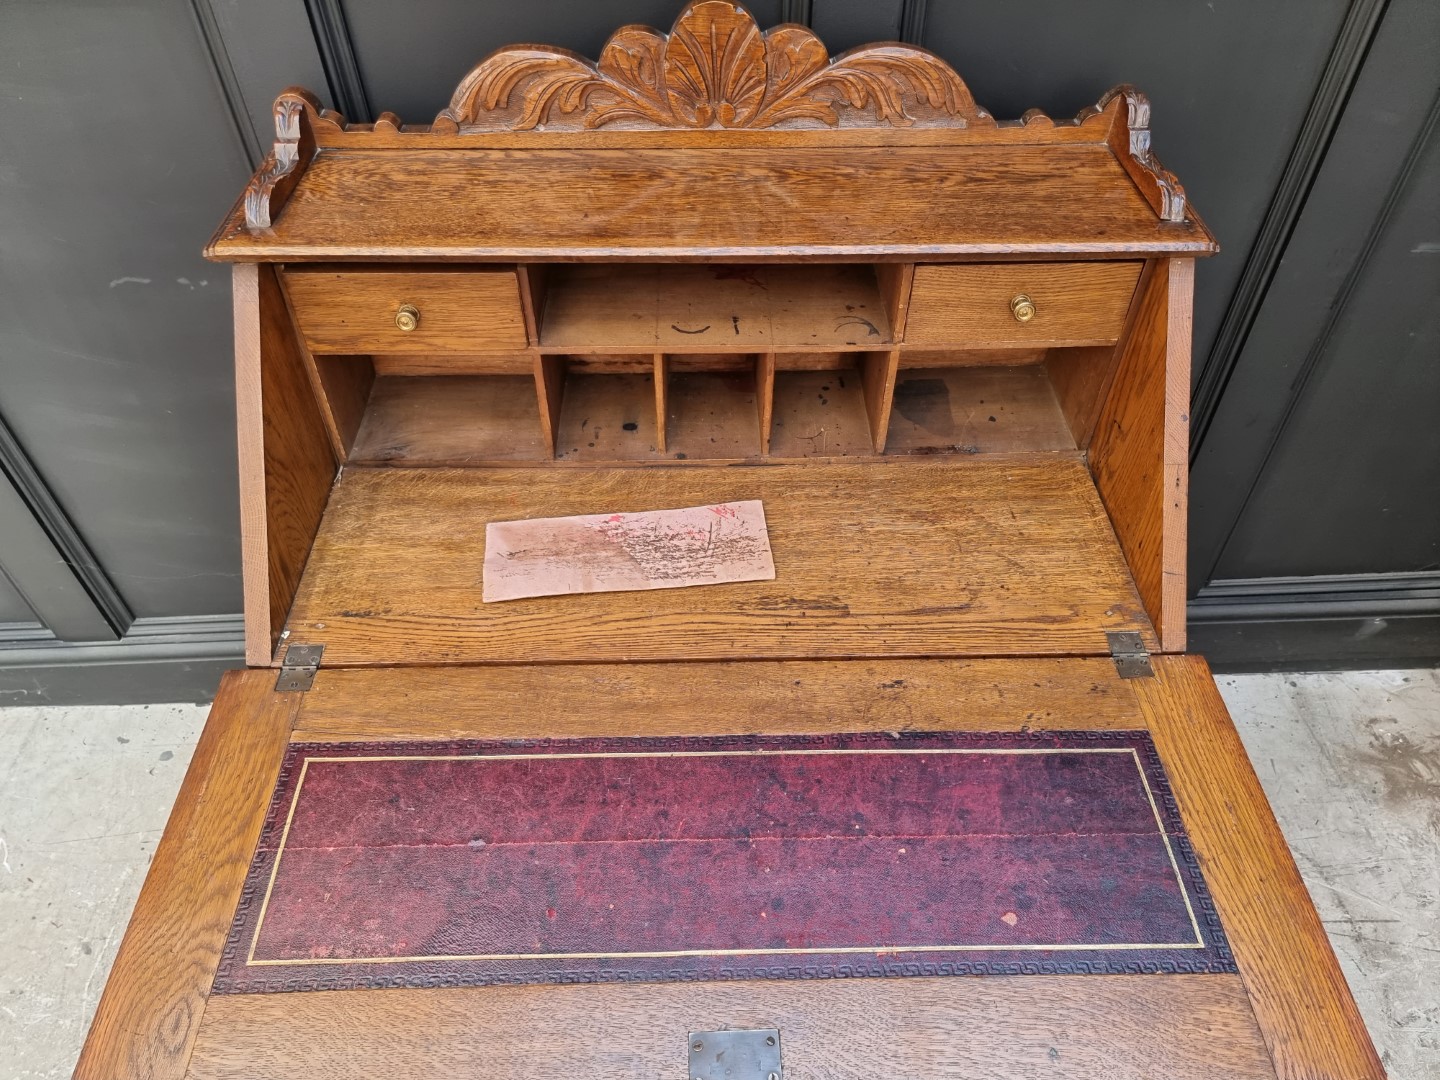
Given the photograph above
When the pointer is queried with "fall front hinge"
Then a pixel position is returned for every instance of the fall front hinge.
(297, 670)
(1132, 659)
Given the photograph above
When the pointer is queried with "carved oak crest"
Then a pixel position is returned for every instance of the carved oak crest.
(714, 72)
(714, 69)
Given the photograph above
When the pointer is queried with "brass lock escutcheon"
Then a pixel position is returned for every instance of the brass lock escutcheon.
(407, 318)
(1023, 308)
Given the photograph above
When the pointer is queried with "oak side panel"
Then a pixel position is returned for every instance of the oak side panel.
(1081, 377)
(1121, 1027)
(745, 697)
(1175, 504)
(1299, 995)
(871, 560)
(261, 629)
(149, 1013)
(1140, 452)
(341, 387)
(345, 386)
(287, 461)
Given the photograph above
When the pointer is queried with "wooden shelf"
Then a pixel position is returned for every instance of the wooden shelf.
(971, 557)
(450, 420)
(712, 415)
(608, 418)
(820, 414)
(715, 409)
(936, 201)
(976, 410)
(712, 308)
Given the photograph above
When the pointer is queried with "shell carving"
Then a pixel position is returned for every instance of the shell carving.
(715, 69)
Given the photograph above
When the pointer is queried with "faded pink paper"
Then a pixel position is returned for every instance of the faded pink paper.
(653, 549)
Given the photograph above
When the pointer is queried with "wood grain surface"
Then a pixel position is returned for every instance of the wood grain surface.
(859, 202)
(1082, 377)
(456, 419)
(149, 1014)
(745, 697)
(765, 397)
(975, 410)
(971, 558)
(1075, 304)
(712, 414)
(550, 389)
(353, 310)
(1140, 451)
(877, 375)
(1300, 998)
(606, 418)
(286, 457)
(1121, 1027)
(497, 363)
(706, 308)
(821, 414)
(342, 387)
(716, 414)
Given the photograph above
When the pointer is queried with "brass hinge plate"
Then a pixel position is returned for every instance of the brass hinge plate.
(746, 1054)
(1132, 659)
(297, 670)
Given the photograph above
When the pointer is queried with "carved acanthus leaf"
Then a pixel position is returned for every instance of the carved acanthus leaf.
(715, 69)
(1169, 196)
(294, 145)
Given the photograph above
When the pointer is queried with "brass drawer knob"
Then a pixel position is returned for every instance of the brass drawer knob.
(1023, 308)
(408, 317)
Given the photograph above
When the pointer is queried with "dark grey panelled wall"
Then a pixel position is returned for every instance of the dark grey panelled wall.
(1315, 490)
(13, 609)
(115, 161)
(1299, 127)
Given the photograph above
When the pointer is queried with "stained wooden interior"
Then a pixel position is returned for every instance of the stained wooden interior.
(976, 527)
(1010, 555)
(712, 362)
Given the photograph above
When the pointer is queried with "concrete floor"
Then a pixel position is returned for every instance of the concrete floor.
(1351, 763)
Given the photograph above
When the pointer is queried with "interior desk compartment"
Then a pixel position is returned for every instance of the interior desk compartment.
(707, 308)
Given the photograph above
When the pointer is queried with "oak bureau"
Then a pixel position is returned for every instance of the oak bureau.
(950, 354)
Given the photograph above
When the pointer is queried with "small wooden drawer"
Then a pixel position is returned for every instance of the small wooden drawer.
(357, 310)
(985, 304)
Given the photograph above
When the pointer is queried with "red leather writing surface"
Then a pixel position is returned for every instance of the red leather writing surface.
(960, 853)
